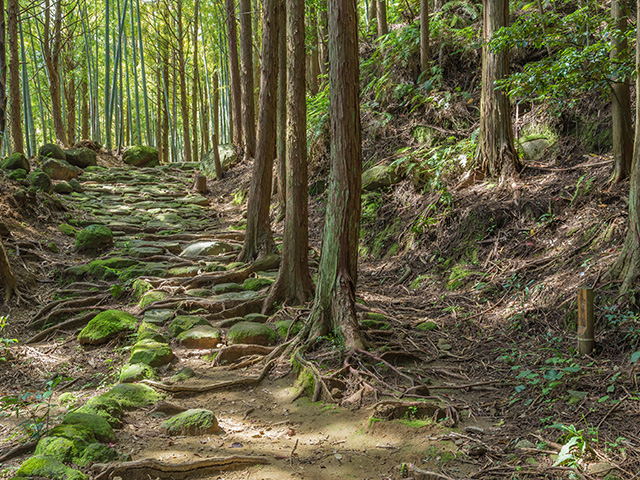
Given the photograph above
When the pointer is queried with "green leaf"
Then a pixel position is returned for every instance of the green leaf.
(635, 356)
(565, 456)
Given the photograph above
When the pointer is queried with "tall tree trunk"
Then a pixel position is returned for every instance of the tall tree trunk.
(425, 51)
(334, 307)
(3, 78)
(248, 105)
(621, 98)
(293, 284)
(281, 149)
(182, 66)
(51, 46)
(216, 127)
(69, 67)
(323, 39)
(7, 277)
(372, 17)
(258, 240)
(627, 266)
(314, 66)
(496, 154)
(17, 138)
(194, 86)
(383, 27)
(234, 74)
(84, 109)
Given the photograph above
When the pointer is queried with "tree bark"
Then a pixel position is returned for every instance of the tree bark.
(234, 74)
(69, 66)
(620, 98)
(182, 68)
(195, 84)
(3, 78)
(496, 154)
(17, 137)
(282, 110)
(84, 109)
(425, 51)
(51, 47)
(334, 305)
(248, 105)
(7, 278)
(372, 17)
(293, 285)
(323, 38)
(314, 66)
(259, 240)
(216, 127)
(627, 266)
(381, 11)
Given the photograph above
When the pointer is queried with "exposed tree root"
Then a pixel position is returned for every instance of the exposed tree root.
(18, 451)
(151, 468)
(71, 323)
(7, 277)
(266, 262)
(68, 307)
(234, 352)
(237, 236)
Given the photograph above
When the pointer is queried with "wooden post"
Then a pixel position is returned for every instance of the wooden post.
(586, 340)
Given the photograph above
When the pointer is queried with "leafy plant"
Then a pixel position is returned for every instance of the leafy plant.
(4, 342)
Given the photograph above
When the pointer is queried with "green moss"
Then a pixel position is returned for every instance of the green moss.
(67, 400)
(255, 284)
(151, 297)
(132, 396)
(427, 326)
(152, 353)
(106, 325)
(48, 467)
(73, 432)
(183, 374)
(98, 425)
(375, 324)
(136, 372)
(61, 448)
(107, 408)
(96, 453)
(18, 175)
(110, 267)
(282, 326)
(93, 238)
(141, 156)
(251, 333)
(67, 229)
(149, 331)
(457, 277)
(200, 336)
(182, 323)
(195, 421)
(226, 288)
(416, 423)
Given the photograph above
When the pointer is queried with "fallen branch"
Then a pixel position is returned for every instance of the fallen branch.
(151, 468)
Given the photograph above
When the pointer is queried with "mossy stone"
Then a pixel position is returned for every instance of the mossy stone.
(183, 374)
(256, 284)
(256, 318)
(51, 150)
(374, 324)
(151, 297)
(60, 169)
(282, 327)
(48, 467)
(379, 176)
(141, 156)
(251, 333)
(243, 296)
(427, 326)
(76, 271)
(67, 229)
(62, 187)
(73, 432)
(81, 157)
(18, 175)
(40, 181)
(106, 325)
(200, 336)
(93, 238)
(150, 352)
(206, 248)
(96, 453)
(149, 331)
(75, 184)
(107, 408)
(109, 267)
(158, 317)
(98, 425)
(375, 316)
(133, 395)
(198, 292)
(182, 323)
(226, 288)
(67, 400)
(61, 448)
(15, 161)
(136, 372)
(139, 288)
(196, 421)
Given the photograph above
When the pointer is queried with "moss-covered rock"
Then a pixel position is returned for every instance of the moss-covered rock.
(196, 421)
(96, 453)
(62, 187)
(60, 169)
(67, 229)
(251, 333)
(158, 317)
(151, 297)
(379, 176)
(18, 175)
(107, 408)
(109, 268)
(237, 297)
(200, 336)
(141, 156)
(256, 318)
(136, 372)
(206, 248)
(133, 395)
(40, 181)
(106, 325)
(226, 288)
(81, 157)
(75, 184)
(182, 323)
(15, 161)
(94, 238)
(183, 374)
(139, 287)
(67, 400)
(150, 352)
(282, 327)
(61, 448)
(98, 425)
(150, 331)
(73, 432)
(51, 150)
(48, 467)
(256, 284)
(427, 326)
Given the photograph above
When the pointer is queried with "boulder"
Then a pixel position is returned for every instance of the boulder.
(135, 372)
(107, 408)
(141, 156)
(150, 297)
(82, 157)
(60, 169)
(200, 336)
(533, 148)
(158, 317)
(51, 150)
(251, 334)
(150, 331)
(132, 396)
(15, 161)
(226, 288)
(94, 238)
(97, 453)
(62, 187)
(183, 374)
(206, 248)
(106, 325)
(40, 181)
(48, 467)
(182, 323)
(379, 176)
(255, 284)
(196, 421)
(75, 184)
(150, 352)
(18, 175)
(98, 425)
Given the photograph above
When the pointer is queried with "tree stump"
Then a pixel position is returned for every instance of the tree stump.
(200, 184)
